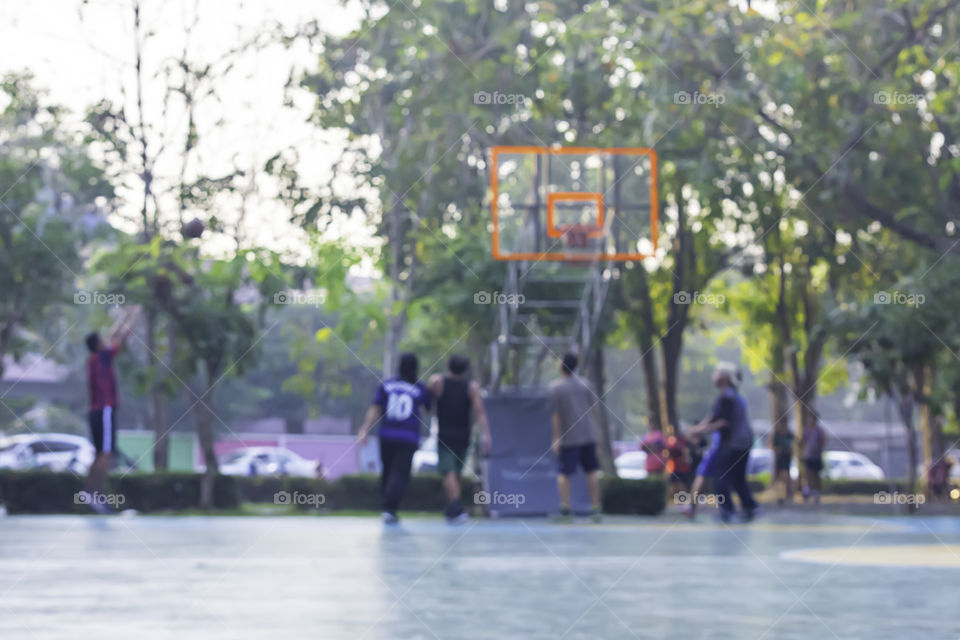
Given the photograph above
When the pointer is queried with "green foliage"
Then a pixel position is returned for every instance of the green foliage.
(49, 190)
(40, 492)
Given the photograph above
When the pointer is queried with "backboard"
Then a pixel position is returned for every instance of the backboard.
(573, 203)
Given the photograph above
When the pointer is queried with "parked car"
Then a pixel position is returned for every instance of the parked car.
(761, 461)
(266, 461)
(850, 465)
(631, 465)
(425, 458)
(49, 451)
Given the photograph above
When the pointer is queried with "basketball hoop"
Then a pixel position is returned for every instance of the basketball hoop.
(576, 236)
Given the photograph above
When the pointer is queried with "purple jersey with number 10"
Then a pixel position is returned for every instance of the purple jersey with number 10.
(401, 402)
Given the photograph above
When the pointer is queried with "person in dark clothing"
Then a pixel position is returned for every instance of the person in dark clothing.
(396, 407)
(102, 388)
(459, 405)
(729, 417)
(781, 443)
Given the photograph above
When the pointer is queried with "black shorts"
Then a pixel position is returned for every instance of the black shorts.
(814, 464)
(584, 455)
(781, 462)
(103, 430)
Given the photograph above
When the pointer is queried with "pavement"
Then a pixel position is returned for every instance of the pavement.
(786, 575)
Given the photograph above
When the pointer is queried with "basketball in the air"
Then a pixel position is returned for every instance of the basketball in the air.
(192, 229)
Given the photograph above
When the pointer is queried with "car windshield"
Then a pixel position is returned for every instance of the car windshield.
(7, 445)
(228, 458)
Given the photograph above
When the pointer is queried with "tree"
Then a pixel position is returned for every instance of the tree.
(217, 308)
(50, 193)
(152, 149)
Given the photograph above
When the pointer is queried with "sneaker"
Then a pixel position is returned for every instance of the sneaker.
(724, 516)
(460, 518)
(389, 518)
(596, 516)
(564, 516)
(750, 514)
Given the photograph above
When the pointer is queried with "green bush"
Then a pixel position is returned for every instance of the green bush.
(860, 487)
(424, 493)
(45, 492)
(308, 487)
(634, 497)
(148, 492)
(759, 481)
(259, 488)
(41, 492)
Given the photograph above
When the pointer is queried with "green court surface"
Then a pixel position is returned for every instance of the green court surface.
(346, 577)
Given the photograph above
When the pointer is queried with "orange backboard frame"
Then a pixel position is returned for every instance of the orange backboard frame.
(552, 230)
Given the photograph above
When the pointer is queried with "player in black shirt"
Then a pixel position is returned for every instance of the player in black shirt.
(459, 405)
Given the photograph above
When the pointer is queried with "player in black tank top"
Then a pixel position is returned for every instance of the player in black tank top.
(453, 412)
(458, 405)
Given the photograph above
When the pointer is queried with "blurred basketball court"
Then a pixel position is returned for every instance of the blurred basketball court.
(324, 577)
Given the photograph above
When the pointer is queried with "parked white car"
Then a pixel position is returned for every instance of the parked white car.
(266, 461)
(761, 461)
(49, 451)
(850, 465)
(631, 465)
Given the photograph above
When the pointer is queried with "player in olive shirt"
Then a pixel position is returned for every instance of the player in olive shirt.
(574, 433)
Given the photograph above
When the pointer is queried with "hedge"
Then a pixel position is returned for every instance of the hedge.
(424, 493)
(44, 492)
(861, 487)
(634, 497)
(40, 492)
(173, 491)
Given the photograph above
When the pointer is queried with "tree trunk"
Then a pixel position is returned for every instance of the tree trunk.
(905, 409)
(599, 382)
(205, 436)
(672, 347)
(396, 319)
(779, 409)
(672, 340)
(648, 355)
(158, 402)
(929, 428)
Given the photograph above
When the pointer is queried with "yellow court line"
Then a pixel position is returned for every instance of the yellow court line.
(919, 555)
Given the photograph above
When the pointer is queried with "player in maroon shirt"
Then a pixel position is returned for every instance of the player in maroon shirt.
(102, 385)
